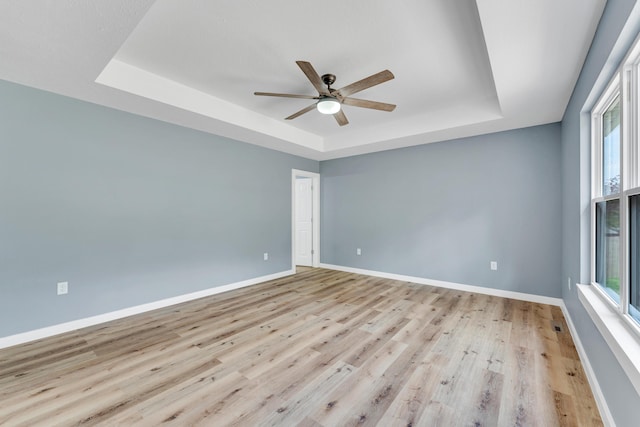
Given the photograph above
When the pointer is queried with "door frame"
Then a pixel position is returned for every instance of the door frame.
(315, 227)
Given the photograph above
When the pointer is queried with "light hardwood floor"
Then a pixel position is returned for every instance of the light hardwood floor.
(320, 348)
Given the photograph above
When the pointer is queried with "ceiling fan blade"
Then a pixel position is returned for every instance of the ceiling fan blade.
(366, 83)
(313, 77)
(286, 95)
(301, 112)
(374, 105)
(341, 118)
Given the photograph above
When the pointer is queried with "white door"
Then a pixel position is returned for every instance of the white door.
(304, 221)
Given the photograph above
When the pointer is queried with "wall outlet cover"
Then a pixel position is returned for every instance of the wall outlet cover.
(63, 288)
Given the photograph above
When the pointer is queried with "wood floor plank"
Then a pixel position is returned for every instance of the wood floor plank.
(318, 348)
(586, 411)
(170, 406)
(486, 394)
(383, 390)
(412, 400)
(341, 402)
(272, 388)
(302, 403)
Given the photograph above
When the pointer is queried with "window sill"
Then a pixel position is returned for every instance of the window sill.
(623, 342)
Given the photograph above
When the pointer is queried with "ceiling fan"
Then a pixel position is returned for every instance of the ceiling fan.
(330, 100)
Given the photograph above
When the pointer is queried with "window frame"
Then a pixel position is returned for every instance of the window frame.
(625, 84)
(609, 95)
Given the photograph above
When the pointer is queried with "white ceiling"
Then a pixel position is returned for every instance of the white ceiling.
(461, 67)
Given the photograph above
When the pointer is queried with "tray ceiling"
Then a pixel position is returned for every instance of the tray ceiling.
(461, 67)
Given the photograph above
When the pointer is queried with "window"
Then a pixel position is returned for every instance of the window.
(612, 300)
(615, 192)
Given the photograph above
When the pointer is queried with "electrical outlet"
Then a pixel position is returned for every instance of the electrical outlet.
(63, 288)
(569, 282)
(358, 251)
(266, 256)
(494, 265)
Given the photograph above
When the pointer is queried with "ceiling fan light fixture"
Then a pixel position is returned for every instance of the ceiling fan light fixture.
(329, 101)
(328, 105)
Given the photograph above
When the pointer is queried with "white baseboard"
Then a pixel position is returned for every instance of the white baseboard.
(130, 311)
(607, 418)
(451, 285)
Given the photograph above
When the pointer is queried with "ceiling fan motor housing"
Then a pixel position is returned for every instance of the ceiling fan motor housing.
(328, 79)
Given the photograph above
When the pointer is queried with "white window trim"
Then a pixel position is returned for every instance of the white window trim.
(624, 84)
(620, 333)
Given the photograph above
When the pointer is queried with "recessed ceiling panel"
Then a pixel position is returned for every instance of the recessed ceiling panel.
(231, 49)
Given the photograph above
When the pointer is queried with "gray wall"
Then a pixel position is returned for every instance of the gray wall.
(445, 210)
(620, 21)
(129, 210)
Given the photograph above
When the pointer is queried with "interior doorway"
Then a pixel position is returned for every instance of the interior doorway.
(305, 228)
(304, 221)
